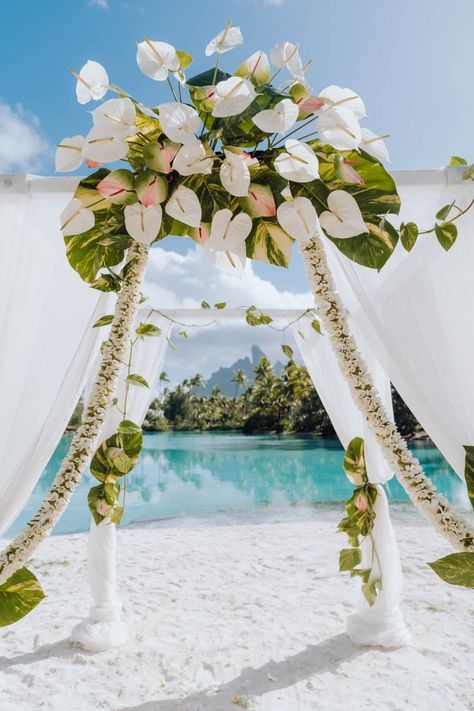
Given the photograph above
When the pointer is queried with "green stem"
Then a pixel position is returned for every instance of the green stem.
(172, 90)
(295, 130)
(453, 219)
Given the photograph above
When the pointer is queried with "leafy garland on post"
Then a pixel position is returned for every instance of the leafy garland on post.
(244, 167)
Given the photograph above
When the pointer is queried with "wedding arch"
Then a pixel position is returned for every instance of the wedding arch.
(331, 195)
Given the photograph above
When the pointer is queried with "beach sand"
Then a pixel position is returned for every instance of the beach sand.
(242, 614)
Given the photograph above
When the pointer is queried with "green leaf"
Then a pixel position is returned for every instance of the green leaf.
(205, 305)
(220, 305)
(456, 569)
(372, 249)
(287, 350)
(469, 472)
(111, 492)
(18, 596)
(108, 461)
(147, 329)
(268, 242)
(211, 194)
(207, 78)
(369, 591)
(446, 232)
(129, 427)
(444, 211)
(354, 461)
(255, 317)
(408, 235)
(103, 321)
(107, 282)
(315, 325)
(135, 379)
(185, 59)
(349, 558)
(183, 334)
(457, 160)
(116, 515)
(469, 172)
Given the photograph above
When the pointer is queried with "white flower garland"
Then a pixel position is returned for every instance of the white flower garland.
(85, 440)
(409, 472)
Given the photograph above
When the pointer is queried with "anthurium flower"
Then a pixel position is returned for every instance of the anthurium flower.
(309, 105)
(339, 128)
(156, 59)
(259, 202)
(184, 206)
(346, 172)
(143, 223)
(200, 234)
(279, 119)
(69, 154)
(92, 163)
(235, 174)
(373, 144)
(116, 116)
(118, 187)
(334, 96)
(193, 159)
(256, 68)
(344, 218)
(232, 96)
(226, 244)
(92, 82)
(151, 188)
(179, 122)
(299, 219)
(76, 219)
(286, 54)
(160, 156)
(226, 40)
(103, 147)
(299, 163)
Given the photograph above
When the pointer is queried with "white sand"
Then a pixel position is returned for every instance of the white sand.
(239, 616)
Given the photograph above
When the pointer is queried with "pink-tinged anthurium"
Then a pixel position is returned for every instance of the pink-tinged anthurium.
(226, 244)
(339, 128)
(286, 54)
(232, 96)
(118, 187)
(92, 82)
(256, 68)
(184, 206)
(76, 219)
(344, 218)
(280, 119)
(179, 122)
(92, 163)
(193, 159)
(299, 163)
(335, 97)
(309, 105)
(103, 147)
(116, 117)
(299, 219)
(235, 174)
(374, 144)
(361, 502)
(69, 154)
(160, 156)
(156, 59)
(200, 234)
(226, 40)
(143, 223)
(260, 201)
(151, 188)
(346, 172)
(103, 508)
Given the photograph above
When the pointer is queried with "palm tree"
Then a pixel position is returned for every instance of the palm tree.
(197, 381)
(240, 379)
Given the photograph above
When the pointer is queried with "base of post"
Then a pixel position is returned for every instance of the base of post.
(367, 630)
(97, 636)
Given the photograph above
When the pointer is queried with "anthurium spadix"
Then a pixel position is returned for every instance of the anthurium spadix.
(92, 82)
(280, 119)
(232, 96)
(374, 144)
(143, 223)
(151, 188)
(259, 202)
(226, 244)
(286, 54)
(69, 154)
(184, 206)
(76, 219)
(226, 40)
(118, 187)
(299, 219)
(344, 218)
(299, 163)
(193, 159)
(235, 174)
(179, 122)
(156, 59)
(256, 68)
(116, 117)
(334, 96)
(160, 156)
(339, 128)
(103, 147)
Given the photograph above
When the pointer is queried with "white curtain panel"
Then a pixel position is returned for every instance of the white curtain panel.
(47, 344)
(417, 314)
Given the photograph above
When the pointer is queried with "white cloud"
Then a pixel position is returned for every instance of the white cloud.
(104, 4)
(22, 145)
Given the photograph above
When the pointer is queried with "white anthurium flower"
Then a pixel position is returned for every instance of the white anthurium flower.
(156, 59)
(76, 219)
(299, 219)
(344, 218)
(279, 119)
(179, 122)
(339, 128)
(256, 67)
(226, 40)
(235, 174)
(286, 54)
(116, 116)
(374, 144)
(184, 206)
(299, 164)
(69, 154)
(92, 82)
(193, 159)
(226, 244)
(103, 147)
(143, 223)
(334, 96)
(232, 96)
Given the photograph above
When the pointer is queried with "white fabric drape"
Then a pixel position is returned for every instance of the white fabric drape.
(382, 623)
(47, 344)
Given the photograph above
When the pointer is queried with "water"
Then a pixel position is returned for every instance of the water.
(194, 473)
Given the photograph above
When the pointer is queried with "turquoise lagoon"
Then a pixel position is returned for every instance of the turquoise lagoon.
(183, 474)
